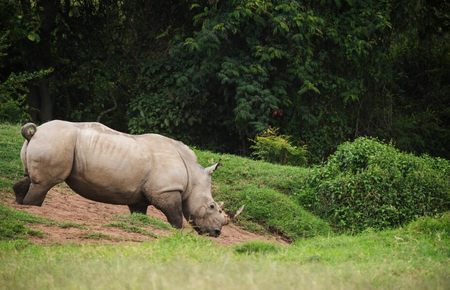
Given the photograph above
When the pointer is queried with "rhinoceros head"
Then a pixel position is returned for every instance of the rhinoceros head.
(205, 215)
(209, 219)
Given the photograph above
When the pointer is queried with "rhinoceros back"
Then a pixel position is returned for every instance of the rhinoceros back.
(102, 164)
(108, 167)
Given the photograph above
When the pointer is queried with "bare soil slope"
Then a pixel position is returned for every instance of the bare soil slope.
(85, 221)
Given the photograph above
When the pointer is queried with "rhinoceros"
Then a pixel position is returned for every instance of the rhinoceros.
(108, 166)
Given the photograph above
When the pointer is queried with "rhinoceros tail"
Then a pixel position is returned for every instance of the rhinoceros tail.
(28, 130)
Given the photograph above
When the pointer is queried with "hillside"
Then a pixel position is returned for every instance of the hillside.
(66, 217)
(74, 243)
(263, 188)
(364, 185)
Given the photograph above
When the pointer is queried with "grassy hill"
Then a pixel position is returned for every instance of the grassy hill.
(263, 187)
(266, 190)
(287, 200)
(364, 184)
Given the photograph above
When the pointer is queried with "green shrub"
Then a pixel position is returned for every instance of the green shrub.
(273, 147)
(10, 111)
(370, 184)
(432, 225)
(13, 95)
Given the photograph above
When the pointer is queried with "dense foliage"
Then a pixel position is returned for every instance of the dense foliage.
(216, 73)
(367, 184)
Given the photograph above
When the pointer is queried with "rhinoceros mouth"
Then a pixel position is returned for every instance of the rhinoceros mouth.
(215, 232)
(212, 233)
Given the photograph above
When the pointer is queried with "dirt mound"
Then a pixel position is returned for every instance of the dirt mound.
(79, 220)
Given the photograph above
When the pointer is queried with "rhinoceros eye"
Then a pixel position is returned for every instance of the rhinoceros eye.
(212, 206)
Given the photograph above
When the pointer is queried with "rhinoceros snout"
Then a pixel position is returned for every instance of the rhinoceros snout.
(210, 232)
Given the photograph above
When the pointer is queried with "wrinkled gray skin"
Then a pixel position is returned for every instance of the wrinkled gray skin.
(112, 167)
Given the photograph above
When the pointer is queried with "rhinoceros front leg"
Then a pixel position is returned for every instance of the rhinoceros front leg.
(170, 204)
(138, 207)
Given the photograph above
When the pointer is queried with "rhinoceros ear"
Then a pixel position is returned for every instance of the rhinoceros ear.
(212, 168)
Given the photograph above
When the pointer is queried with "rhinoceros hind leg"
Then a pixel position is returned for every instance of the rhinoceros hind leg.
(138, 208)
(21, 189)
(36, 194)
(170, 204)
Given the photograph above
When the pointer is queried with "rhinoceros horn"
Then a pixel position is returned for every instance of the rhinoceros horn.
(238, 212)
(233, 216)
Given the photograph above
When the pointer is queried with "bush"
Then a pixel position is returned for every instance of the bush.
(370, 184)
(13, 95)
(10, 111)
(432, 225)
(273, 147)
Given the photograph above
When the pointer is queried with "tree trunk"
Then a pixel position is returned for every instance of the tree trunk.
(42, 58)
(34, 103)
(46, 108)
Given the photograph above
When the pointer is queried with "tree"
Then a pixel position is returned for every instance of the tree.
(216, 73)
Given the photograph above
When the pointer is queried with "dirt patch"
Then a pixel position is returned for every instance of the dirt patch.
(80, 220)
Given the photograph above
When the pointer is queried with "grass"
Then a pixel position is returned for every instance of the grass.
(278, 213)
(267, 191)
(409, 258)
(10, 166)
(138, 223)
(13, 224)
(97, 236)
(257, 247)
(138, 219)
(132, 229)
(238, 171)
(66, 225)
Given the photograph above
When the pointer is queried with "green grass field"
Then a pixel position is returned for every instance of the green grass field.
(415, 256)
(408, 258)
